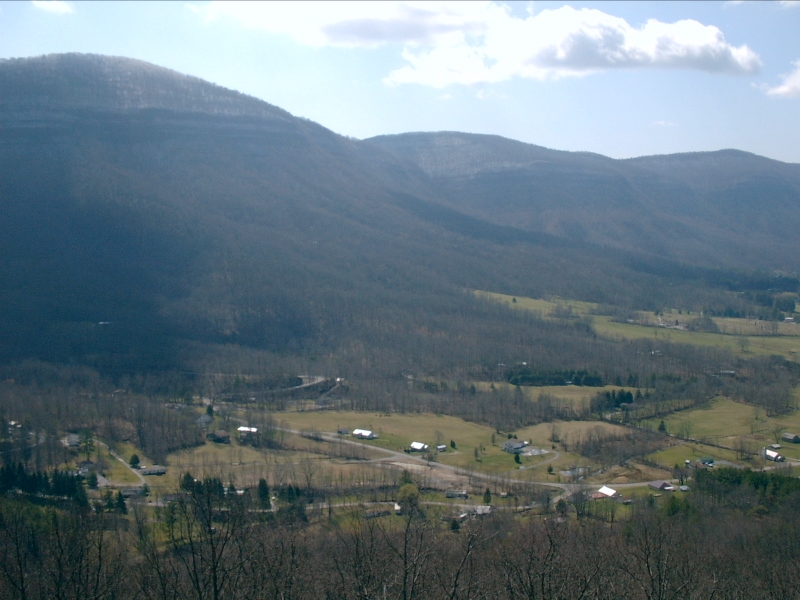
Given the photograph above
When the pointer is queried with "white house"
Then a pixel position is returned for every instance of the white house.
(418, 447)
(772, 455)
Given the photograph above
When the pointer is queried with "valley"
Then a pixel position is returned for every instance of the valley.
(554, 353)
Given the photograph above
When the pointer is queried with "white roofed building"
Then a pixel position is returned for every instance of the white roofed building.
(364, 434)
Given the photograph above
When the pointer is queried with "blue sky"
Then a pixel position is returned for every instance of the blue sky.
(622, 79)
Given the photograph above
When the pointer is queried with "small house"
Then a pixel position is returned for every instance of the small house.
(153, 470)
(220, 436)
(792, 438)
(418, 447)
(377, 513)
(661, 486)
(364, 434)
(441, 448)
(86, 467)
(72, 440)
(245, 431)
(514, 446)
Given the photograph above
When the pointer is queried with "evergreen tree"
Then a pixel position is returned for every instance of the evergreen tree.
(263, 494)
(120, 506)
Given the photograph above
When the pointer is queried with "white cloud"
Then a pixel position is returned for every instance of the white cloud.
(790, 88)
(354, 24)
(56, 7)
(482, 42)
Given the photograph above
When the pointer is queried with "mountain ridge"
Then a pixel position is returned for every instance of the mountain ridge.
(196, 225)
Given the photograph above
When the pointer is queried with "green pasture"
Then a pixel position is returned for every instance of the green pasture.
(744, 337)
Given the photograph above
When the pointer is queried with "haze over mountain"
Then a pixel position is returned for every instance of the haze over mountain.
(726, 208)
(147, 217)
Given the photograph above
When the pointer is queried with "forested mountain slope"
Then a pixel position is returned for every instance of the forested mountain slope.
(146, 216)
(725, 208)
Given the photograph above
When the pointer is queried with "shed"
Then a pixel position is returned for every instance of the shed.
(343, 431)
(418, 447)
(441, 448)
(792, 438)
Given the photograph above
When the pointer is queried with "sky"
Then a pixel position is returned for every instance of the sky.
(622, 79)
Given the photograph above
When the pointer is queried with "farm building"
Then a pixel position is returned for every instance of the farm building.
(364, 434)
(792, 438)
(441, 448)
(771, 455)
(418, 447)
(608, 492)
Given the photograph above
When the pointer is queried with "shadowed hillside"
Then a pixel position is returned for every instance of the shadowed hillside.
(147, 217)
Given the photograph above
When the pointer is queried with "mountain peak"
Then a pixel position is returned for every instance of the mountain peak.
(116, 84)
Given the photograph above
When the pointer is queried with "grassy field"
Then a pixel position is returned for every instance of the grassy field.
(718, 420)
(395, 431)
(744, 337)
(677, 455)
(572, 395)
